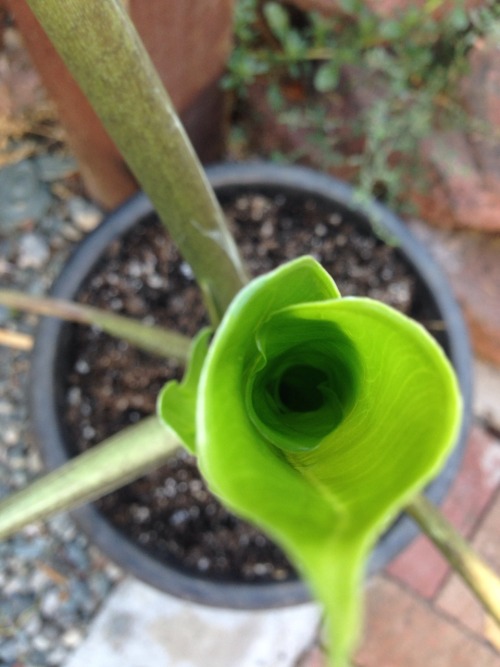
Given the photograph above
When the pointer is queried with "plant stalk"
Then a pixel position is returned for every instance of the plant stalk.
(118, 460)
(483, 582)
(103, 51)
(154, 339)
(138, 449)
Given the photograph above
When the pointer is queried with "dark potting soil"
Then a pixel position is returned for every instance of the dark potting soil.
(169, 512)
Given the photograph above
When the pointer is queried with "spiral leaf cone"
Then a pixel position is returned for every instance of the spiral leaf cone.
(317, 418)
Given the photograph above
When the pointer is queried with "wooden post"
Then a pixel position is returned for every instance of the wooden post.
(189, 43)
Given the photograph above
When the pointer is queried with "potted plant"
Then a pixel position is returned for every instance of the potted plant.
(79, 371)
(316, 416)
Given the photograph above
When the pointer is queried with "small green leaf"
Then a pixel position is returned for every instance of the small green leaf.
(277, 19)
(391, 29)
(275, 97)
(176, 404)
(458, 18)
(295, 47)
(326, 77)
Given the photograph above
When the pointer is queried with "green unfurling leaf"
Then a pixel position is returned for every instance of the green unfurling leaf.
(177, 401)
(327, 77)
(318, 418)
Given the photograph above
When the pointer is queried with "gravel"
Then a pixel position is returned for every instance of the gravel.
(52, 581)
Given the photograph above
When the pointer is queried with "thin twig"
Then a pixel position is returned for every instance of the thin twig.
(16, 340)
(154, 339)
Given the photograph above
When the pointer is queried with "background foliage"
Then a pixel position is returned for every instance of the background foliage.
(406, 71)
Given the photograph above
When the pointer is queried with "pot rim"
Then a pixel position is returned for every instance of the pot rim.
(50, 333)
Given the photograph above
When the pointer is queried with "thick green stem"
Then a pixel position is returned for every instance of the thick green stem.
(118, 460)
(478, 576)
(156, 340)
(103, 51)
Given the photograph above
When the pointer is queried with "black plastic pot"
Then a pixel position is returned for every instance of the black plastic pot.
(50, 353)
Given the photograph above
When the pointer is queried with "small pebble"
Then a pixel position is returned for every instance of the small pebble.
(56, 657)
(22, 195)
(41, 643)
(51, 601)
(5, 408)
(5, 266)
(203, 564)
(33, 252)
(33, 625)
(85, 216)
(267, 229)
(71, 233)
(187, 271)
(72, 638)
(10, 436)
(8, 651)
(76, 553)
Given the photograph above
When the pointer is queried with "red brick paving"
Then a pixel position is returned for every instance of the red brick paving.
(421, 567)
(455, 599)
(403, 630)
(471, 260)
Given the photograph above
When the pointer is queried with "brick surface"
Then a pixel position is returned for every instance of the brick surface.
(421, 567)
(462, 193)
(471, 261)
(481, 91)
(467, 162)
(401, 630)
(456, 600)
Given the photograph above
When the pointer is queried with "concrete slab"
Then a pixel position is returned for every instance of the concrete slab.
(140, 626)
